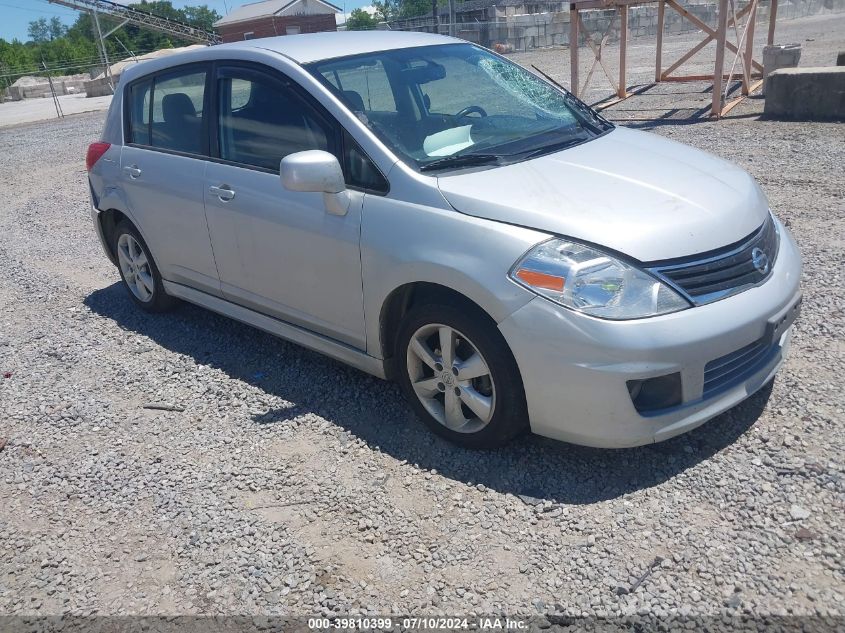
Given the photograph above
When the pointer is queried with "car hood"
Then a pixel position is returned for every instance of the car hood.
(634, 192)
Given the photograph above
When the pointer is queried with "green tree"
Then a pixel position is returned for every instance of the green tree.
(39, 30)
(74, 50)
(360, 20)
(386, 10)
(414, 8)
(56, 28)
(201, 17)
(15, 58)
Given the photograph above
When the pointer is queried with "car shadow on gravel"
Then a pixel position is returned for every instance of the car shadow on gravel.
(534, 468)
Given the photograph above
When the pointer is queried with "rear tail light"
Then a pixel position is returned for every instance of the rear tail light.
(95, 152)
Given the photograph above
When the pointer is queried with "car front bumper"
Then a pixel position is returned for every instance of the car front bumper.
(575, 368)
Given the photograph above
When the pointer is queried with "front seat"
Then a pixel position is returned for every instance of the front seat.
(354, 100)
(269, 127)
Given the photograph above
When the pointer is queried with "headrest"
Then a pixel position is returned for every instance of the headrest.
(354, 100)
(177, 106)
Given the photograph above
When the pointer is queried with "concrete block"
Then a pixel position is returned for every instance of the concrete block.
(779, 56)
(807, 94)
(99, 87)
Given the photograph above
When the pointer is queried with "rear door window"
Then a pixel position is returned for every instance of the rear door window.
(167, 110)
(177, 111)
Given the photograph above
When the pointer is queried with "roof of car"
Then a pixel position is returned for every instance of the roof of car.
(312, 47)
(302, 49)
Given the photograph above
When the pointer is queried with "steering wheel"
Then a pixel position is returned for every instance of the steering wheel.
(470, 110)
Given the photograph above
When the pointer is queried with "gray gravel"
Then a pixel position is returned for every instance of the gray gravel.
(275, 481)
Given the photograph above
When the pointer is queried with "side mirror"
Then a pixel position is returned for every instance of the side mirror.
(316, 171)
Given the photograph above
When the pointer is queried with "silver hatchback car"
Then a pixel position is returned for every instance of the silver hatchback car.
(426, 210)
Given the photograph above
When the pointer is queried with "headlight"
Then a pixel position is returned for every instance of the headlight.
(582, 278)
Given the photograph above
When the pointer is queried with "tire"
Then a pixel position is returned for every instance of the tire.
(492, 384)
(138, 270)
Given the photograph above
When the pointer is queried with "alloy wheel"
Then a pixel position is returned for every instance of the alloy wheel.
(135, 266)
(451, 378)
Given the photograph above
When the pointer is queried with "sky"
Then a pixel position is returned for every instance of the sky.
(15, 15)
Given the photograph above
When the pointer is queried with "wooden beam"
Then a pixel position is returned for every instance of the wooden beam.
(710, 32)
(573, 49)
(612, 101)
(711, 35)
(686, 56)
(588, 79)
(735, 102)
(721, 33)
(773, 16)
(606, 4)
(681, 78)
(749, 48)
(623, 51)
(658, 65)
(597, 51)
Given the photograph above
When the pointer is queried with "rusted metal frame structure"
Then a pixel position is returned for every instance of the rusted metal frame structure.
(719, 34)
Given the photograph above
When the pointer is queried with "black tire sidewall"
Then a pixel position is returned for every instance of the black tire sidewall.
(510, 417)
(160, 300)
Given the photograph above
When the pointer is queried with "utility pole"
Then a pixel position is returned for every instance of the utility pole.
(59, 113)
(436, 17)
(452, 27)
(103, 53)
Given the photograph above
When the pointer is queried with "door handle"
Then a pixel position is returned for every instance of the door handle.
(223, 192)
(132, 171)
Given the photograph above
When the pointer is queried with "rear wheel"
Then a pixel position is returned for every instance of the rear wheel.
(459, 375)
(138, 270)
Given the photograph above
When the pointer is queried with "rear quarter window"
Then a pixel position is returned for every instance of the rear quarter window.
(138, 96)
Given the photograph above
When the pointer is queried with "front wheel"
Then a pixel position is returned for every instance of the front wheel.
(459, 375)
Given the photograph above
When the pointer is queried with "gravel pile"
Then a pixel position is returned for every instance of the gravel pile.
(187, 464)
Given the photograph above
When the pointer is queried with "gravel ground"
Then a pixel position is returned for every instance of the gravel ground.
(285, 483)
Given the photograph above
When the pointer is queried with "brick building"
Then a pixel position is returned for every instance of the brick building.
(277, 17)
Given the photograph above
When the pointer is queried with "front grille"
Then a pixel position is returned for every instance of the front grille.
(733, 368)
(726, 271)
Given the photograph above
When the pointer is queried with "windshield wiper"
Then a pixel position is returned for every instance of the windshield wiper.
(596, 123)
(600, 124)
(552, 147)
(461, 160)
